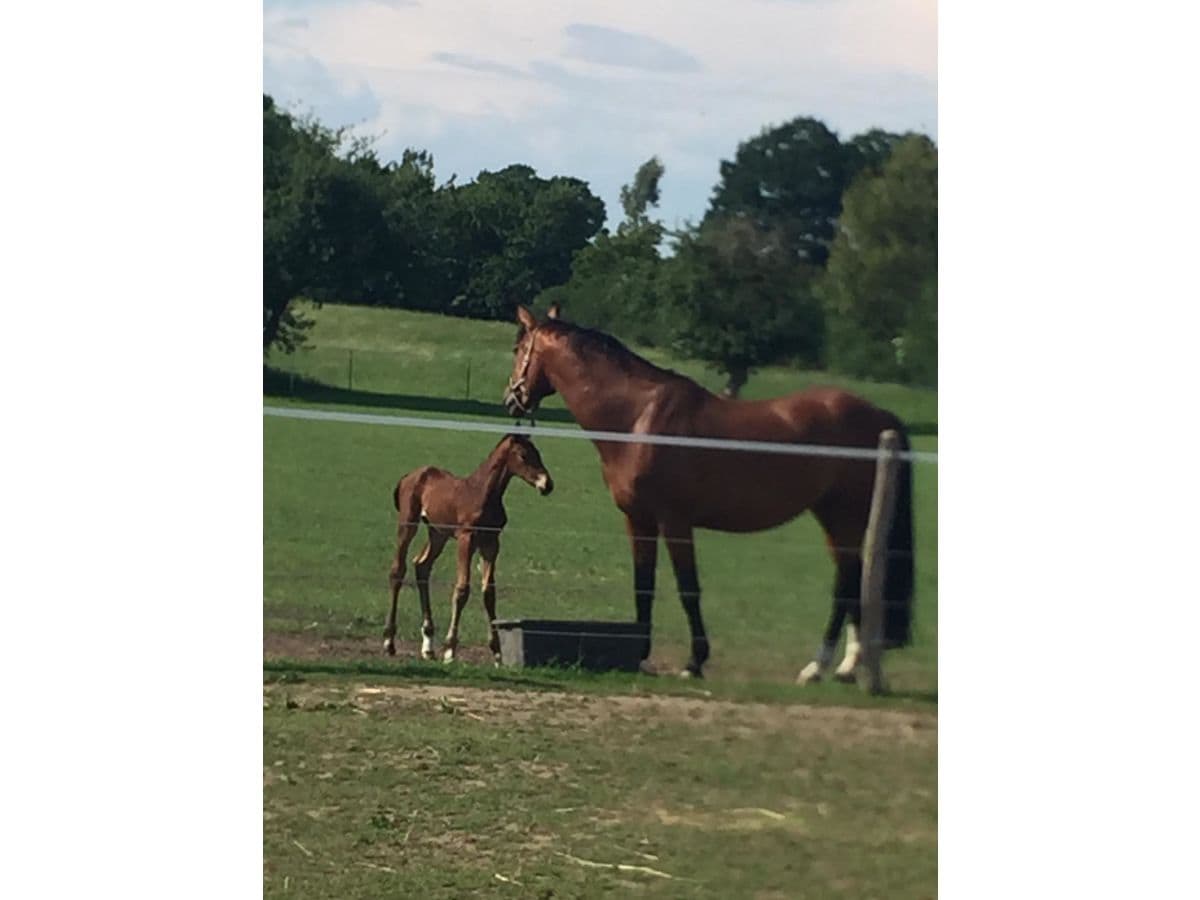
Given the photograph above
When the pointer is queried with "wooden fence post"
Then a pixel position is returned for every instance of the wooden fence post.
(875, 559)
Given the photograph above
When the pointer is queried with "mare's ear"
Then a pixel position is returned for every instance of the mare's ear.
(525, 317)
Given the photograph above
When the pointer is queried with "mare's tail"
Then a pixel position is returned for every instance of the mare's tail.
(898, 584)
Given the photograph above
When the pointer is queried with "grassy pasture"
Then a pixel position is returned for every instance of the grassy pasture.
(398, 777)
(392, 789)
(329, 528)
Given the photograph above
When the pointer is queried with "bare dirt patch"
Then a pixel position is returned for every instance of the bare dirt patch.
(499, 706)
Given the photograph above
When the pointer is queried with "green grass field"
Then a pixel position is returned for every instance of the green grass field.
(329, 523)
(381, 790)
(407, 781)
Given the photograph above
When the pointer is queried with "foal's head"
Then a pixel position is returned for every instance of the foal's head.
(528, 383)
(523, 460)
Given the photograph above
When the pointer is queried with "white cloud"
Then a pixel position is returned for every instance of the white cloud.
(594, 87)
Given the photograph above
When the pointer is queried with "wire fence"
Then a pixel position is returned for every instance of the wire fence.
(619, 437)
(346, 590)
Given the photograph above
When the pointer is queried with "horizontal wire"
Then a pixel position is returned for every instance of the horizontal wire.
(619, 437)
(803, 546)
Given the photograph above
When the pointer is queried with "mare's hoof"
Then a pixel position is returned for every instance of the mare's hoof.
(448, 655)
(646, 669)
(810, 674)
(845, 677)
(428, 654)
(389, 647)
(691, 672)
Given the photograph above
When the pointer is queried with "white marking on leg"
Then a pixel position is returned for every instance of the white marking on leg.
(816, 669)
(427, 649)
(448, 656)
(853, 653)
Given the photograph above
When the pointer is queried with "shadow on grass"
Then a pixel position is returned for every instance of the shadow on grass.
(284, 384)
(277, 383)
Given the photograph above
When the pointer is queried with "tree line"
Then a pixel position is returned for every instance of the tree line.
(813, 251)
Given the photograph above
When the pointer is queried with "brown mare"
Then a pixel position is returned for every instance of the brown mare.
(668, 491)
(470, 510)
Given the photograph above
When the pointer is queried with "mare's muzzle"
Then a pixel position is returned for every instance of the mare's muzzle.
(516, 400)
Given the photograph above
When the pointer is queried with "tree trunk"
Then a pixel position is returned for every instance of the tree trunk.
(737, 380)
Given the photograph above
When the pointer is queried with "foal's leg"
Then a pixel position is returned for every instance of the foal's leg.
(683, 558)
(395, 581)
(643, 539)
(462, 593)
(424, 564)
(488, 551)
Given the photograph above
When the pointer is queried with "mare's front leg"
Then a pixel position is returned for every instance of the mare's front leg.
(683, 557)
(643, 539)
(462, 592)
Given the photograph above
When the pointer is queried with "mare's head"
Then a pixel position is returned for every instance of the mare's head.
(523, 460)
(528, 383)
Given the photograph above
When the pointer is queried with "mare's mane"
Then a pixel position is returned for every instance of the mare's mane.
(588, 342)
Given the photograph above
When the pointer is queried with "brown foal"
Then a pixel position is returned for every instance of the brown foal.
(471, 511)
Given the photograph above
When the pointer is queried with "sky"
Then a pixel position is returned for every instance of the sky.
(593, 88)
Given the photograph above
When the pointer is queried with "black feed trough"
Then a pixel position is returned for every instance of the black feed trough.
(595, 646)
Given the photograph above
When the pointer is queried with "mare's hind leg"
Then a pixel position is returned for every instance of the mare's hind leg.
(489, 549)
(462, 593)
(424, 564)
(846, 593)
(844, 528)
(846, 589)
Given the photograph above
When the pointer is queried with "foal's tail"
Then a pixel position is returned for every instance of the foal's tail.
(898, 584)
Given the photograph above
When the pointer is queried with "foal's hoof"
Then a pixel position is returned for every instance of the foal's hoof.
(427, 653)
(389, 647)
(845, 677)
(691, 672)
(646, 669)
(448, 655)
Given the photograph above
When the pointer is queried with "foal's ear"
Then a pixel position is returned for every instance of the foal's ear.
(525, 317)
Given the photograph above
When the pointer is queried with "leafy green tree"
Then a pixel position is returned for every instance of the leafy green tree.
(340, 225)
(514, 235)
(880, 286)
(869, 151)
(614, 280)
(643, 193)
(296, 157)
(789, 179)
(739, 299)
